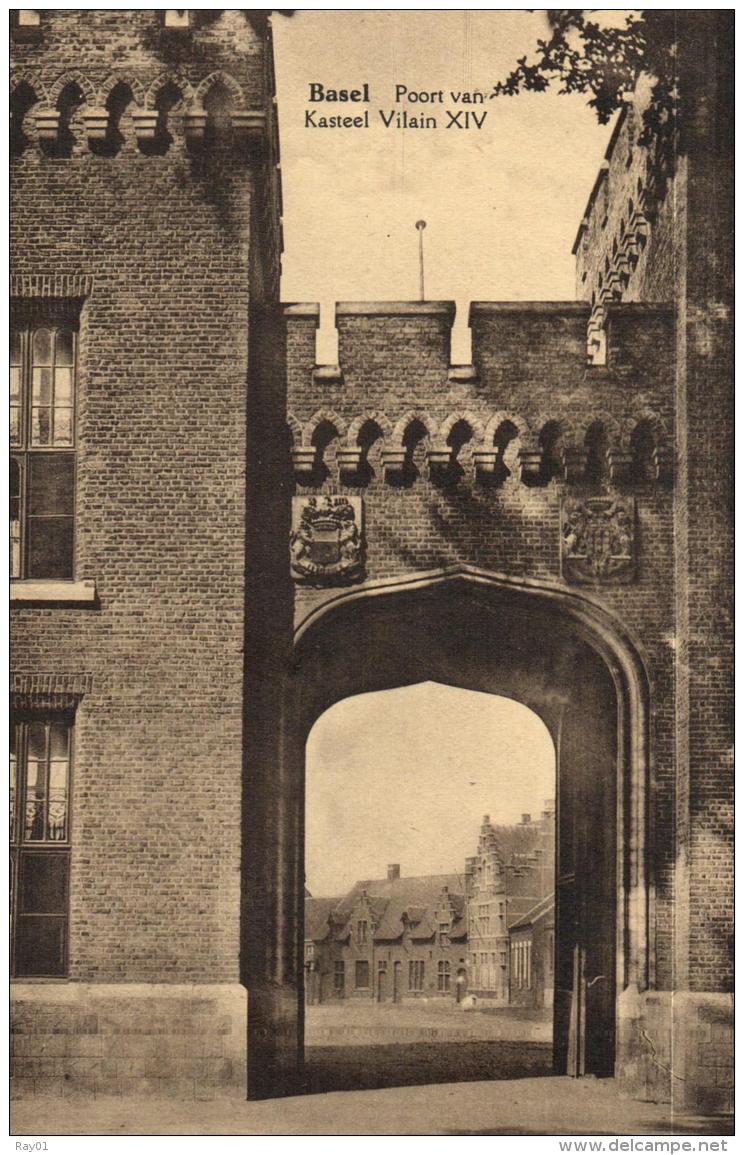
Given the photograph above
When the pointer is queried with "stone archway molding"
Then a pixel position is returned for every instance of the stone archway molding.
(622, 653)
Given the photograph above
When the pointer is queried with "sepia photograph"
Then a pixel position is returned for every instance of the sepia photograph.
(371, 573)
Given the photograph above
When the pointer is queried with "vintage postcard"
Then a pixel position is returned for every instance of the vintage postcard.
(371, 572)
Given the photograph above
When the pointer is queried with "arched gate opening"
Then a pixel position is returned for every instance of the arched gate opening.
(561, 656)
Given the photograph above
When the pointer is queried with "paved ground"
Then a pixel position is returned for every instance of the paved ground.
(548, 1106)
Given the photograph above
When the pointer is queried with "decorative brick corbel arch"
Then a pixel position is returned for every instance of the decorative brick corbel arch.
(321, 415)
(468, 418)
(133, 83)
(407, 419)
(641, 415)
(224, 78)
(32, 81)
(172, 77)
(73, 76)
(372, 416)
(498, 419)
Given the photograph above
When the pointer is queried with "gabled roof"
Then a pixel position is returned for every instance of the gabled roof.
(397, 902)
(541, 909)
(317, 913)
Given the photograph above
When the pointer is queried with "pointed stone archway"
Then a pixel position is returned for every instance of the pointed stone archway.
(577, 668)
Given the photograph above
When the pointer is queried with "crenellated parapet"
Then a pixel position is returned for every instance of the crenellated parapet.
(533, 410)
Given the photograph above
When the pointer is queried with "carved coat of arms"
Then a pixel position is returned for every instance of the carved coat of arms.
(598, 539)
(326, 541)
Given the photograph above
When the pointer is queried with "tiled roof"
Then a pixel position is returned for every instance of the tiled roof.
(540, 909)
(390, 899)
(317, 911)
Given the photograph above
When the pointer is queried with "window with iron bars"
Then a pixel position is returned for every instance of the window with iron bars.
(416, 975)
(43, 356)
(40, 762)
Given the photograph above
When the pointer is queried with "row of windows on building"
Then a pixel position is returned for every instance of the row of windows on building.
(416, 974)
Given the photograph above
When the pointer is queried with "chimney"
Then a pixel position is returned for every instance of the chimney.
(525, 819)
(393, 871)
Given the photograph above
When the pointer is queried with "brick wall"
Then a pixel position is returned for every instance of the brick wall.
(164, 237)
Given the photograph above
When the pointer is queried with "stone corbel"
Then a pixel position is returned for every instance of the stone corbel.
(530, 463)
(303, 461)
(621, 465)
(439, 458)
(328, 374)
(249, 125)
(631, 248)
(145, 123)
(622, 266)
(393, 463)
(484, 461)
(574, 464)
(194, 124)
(349, 458)
(96, 122)
(462, 374)
(47, 124)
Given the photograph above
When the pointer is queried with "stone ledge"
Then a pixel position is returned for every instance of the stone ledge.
(395, 308)
(302, 309)
(69, 593)
(535, 308)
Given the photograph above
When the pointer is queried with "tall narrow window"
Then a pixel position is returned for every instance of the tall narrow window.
(42, 438)
(443, 976)
(339, 977)
(40, 838)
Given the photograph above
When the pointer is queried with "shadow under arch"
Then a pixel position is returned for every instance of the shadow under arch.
(566, 658)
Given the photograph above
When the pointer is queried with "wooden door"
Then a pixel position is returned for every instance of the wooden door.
(584, 1006)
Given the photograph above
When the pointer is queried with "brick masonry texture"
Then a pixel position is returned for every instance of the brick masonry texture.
(165, 241)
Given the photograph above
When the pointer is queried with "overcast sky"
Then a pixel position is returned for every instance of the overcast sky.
(406, 776)
(502, 204)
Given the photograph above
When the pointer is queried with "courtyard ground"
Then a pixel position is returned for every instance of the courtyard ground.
(357, 1046)
(549, 1106)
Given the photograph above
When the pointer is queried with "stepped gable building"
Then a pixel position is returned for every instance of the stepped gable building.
(392, 940)
(512, 871)
(216, 538)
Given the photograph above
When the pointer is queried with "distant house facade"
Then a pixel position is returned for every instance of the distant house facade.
(531, 964)
(389, 940)
(444, 936)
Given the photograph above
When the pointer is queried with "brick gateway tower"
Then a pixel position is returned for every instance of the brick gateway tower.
(549, 521)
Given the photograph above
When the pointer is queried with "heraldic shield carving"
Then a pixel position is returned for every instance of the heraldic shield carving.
(598, 539)
(326, 541)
